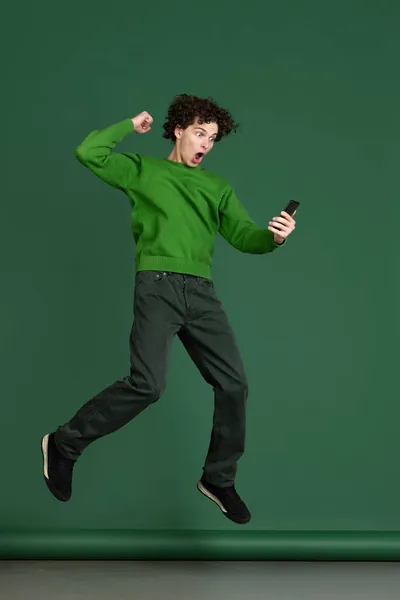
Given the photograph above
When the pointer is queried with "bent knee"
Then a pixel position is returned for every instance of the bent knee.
(238, 387)
(147, 388)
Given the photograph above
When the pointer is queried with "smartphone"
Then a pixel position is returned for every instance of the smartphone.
(291, 207)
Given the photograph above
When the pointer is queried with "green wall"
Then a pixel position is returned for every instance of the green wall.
(315, 87)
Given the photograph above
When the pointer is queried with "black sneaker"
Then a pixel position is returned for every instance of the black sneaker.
(228, 501)
(57, 469)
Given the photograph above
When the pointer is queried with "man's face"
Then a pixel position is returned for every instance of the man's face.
(194, 142)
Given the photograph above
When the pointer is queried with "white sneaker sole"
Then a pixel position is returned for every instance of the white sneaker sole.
(45, 453)
(45, 445)
(208, 494)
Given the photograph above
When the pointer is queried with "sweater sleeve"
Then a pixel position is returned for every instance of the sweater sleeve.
(239, 230)
(95, 152)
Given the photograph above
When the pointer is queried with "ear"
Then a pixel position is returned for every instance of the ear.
(178, 132)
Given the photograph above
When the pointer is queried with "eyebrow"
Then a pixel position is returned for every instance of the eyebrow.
(205, 131)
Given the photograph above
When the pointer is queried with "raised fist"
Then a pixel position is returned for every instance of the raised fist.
(142, 122)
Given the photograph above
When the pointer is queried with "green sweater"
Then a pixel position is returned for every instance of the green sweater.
(176, 210)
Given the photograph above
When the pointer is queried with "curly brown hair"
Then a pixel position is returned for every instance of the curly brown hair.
(184, 109)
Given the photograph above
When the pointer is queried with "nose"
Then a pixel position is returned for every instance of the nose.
(204, 144)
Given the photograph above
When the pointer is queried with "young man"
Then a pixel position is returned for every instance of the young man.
(177, 210)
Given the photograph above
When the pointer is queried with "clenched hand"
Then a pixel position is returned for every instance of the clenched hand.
(142, 122)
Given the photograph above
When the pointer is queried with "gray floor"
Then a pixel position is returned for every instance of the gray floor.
(64, 580)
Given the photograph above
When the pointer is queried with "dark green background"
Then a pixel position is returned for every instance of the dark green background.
(316, 89)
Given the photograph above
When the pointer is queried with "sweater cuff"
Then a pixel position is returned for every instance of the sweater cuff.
(127, 126)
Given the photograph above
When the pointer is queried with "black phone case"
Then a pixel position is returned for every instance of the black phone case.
(291, 207)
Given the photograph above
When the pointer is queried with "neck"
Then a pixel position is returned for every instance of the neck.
(175, 155)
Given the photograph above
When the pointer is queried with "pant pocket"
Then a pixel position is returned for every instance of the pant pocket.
(149, 277)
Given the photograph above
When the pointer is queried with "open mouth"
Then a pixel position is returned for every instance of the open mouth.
(198, 157)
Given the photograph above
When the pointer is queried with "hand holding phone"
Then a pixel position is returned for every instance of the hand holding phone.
(281, 226)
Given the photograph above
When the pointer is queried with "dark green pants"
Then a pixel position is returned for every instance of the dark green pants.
(166, 304)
